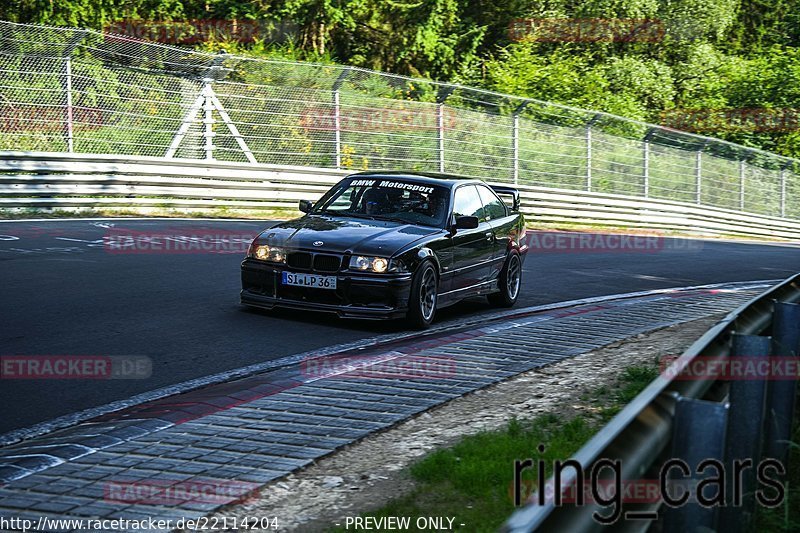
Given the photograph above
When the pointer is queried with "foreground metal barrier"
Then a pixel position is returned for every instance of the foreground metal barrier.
(736, 421)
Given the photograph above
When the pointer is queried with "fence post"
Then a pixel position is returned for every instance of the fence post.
(698, 434)
(66, 83)
(216, 71)
(515, 133)
(783, 191)
(337, 117)
(646, 169)
(646, 162)
(208, 119)
(68, 90)
(746, 397)
(741, 184)
(698, 175)
(589, 151)
(337, 127)
(589, 157)
(782, 392)
(440, 130)
(444, 93)
(515, 139)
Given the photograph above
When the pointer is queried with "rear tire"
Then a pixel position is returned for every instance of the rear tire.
(509, 282)
(424, 296)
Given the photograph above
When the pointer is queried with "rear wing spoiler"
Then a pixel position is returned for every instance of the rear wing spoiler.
(505, 192)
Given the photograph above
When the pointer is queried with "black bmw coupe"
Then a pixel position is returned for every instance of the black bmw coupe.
(391, 244)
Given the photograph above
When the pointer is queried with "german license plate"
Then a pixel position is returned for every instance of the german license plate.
(309, 280)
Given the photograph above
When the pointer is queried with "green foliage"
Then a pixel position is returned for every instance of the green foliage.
(700, 54)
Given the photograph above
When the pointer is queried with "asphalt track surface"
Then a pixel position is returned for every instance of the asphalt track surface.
(65, 292)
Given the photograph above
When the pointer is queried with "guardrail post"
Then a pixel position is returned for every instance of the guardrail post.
(515, 139)
(741, 184)
(444, 93)
(698, 434)
(782, 392)
(337, 116)
(746, 397)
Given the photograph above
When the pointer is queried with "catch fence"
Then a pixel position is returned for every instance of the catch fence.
(81, 91)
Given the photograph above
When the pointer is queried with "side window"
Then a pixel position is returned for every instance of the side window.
(344, 201)
(494, 206)
(467, 203)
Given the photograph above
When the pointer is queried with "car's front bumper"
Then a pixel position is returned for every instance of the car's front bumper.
(355, 296)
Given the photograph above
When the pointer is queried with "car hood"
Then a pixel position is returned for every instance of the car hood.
(343, 234)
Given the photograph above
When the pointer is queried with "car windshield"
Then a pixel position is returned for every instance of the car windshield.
(387, 199)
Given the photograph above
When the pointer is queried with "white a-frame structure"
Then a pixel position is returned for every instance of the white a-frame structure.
(208, 102)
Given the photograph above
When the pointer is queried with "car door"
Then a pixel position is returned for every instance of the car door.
(503, 224)
(473, 249)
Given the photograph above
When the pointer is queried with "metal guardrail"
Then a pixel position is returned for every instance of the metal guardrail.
(61, 180)
(81, 91)
(692, 420)
(89, 180)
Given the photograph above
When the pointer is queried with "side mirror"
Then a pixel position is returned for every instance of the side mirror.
(467, 223)
(306, 206)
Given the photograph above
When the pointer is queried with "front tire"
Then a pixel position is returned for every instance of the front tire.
(424, 296)
(509, 283)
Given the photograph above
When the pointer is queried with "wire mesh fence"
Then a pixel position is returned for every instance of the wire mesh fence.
(76, 90)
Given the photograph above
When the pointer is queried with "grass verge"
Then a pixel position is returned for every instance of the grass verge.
(473, 480)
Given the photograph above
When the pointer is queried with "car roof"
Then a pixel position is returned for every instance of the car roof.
(432, 178)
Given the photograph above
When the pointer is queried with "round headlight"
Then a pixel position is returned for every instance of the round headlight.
(362, 263)
(262, 252)
(379, 264)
